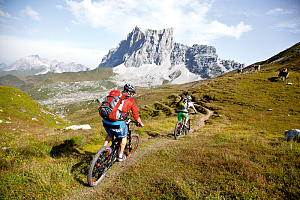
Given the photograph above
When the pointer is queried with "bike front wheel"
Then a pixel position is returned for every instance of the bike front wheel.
(99, 166)
(178, 130)
(131, 145)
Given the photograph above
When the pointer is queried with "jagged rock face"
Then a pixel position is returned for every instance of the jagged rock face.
(200, 59)
(178, 54)
(151, 47)
(157, 47)
(141, 48)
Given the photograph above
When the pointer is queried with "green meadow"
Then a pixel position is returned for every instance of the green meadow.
(240, 153)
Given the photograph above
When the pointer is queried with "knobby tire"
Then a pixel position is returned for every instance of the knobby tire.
(178, 130)
(130, 149)
(188, 127)
(99, 166)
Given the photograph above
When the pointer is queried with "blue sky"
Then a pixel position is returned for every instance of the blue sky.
(83, 31)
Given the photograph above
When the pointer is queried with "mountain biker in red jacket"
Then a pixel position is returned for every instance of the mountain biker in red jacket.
(119, 128)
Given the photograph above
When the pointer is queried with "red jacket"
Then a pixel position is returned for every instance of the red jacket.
(129, 104)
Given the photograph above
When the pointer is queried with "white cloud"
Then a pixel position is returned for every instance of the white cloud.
(5, 15)
(208, 32)
(28, 11)
(52, 50)
(290, 26)
(188, 18)
(30, 31)
(6, 27)
(4, 18)
(59, 7)
(279, 11)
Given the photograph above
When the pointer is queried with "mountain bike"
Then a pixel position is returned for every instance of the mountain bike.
(181, 128)
(107, 156)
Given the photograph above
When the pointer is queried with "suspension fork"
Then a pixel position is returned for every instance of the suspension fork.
(115, 148)
(129, 140)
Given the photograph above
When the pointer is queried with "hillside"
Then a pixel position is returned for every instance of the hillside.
(20, 73)
(65, 92)
(25, 83)
(289, 58)
(241, 152)
(18, 109)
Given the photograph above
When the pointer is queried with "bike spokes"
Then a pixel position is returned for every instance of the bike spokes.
(99, 166)
(178, 130)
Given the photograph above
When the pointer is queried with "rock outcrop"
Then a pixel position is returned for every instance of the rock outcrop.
(140, 48)
(158, 47)
(291, 134)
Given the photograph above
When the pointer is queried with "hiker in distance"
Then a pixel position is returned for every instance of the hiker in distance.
(183, 108)
(114, 110)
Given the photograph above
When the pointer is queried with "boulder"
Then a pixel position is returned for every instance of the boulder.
(292, 134)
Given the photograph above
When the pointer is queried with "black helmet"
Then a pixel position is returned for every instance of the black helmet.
(189, 98)
(129, 88)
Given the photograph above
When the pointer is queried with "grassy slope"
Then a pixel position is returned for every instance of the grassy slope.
(19, 108)
(288, 58)
(24, 141)
(20, 73)
(240, 154)
(26, 82)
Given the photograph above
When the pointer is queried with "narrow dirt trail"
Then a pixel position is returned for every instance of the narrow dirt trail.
(153, 144)
(202, 121)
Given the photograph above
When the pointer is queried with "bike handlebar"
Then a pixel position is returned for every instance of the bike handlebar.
(132, 121)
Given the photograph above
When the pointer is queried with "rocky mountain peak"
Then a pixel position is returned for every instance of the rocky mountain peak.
(42, 65)
(158, 47)
(141, 47)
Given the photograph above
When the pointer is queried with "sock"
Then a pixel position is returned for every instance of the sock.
(120, 155)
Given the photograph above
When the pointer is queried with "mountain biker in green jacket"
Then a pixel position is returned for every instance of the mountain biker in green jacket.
(184, 111)
(118, 128)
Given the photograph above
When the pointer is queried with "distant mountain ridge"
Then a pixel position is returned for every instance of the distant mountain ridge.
(69, 90)
(2, 66)
(38, 65)
(158, 47)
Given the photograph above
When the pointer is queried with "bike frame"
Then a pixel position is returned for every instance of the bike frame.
(183, 128)
(115, 146)
(107, 156)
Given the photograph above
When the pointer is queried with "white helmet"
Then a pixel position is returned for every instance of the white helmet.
(129, 88)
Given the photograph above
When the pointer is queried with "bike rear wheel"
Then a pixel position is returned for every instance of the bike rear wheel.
(188, 127)
(131, 147)
(99, 166)
(178, 130)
